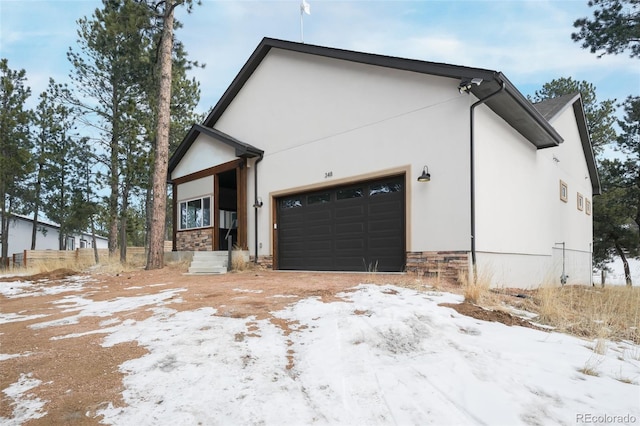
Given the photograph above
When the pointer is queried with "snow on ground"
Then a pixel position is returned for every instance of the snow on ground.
(26, 406)
(615, 274)
(43, 287)
(384, 355)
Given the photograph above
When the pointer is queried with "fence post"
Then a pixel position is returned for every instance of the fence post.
(24, 259)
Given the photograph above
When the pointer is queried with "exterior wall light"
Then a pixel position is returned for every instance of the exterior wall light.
(258, 203)
(425, 176)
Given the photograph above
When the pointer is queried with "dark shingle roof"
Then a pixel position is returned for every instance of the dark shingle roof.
(550, 107)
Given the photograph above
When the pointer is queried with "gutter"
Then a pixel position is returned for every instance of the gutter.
(256, 204)
(473, 177)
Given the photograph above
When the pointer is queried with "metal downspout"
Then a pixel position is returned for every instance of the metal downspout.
(473, 177)
(256, 206)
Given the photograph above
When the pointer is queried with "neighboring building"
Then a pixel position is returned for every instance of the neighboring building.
(311, 157)
(20, 228)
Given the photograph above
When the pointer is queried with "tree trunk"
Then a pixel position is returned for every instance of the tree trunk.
(155, 256)
(625, 263)
(123, 224)
(4, 232)
(96, 256)
(36, 208)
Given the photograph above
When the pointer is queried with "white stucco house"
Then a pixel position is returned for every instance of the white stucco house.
(19, 238)
(318, 158)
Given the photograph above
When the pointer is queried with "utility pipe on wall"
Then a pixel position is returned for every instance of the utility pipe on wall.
(473, 178)
(256, 206)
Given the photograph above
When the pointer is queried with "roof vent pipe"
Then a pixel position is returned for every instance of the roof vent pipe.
(473, 178)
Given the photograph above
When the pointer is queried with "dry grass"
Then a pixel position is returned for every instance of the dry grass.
(476, 290)
(238, 260)
(43, 267)
(595, 313)
(590, 367)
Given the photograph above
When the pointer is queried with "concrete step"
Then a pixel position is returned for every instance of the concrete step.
(208, 262)
(212, 262)
(207, 270)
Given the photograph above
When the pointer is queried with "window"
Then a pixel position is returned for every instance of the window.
(291, 203)
(564, 191)
(195, 213)
(319, 198)
(587, 206)
(71, 243)
(344, 194)
(580, 202)
(83, 243)
(384, 188)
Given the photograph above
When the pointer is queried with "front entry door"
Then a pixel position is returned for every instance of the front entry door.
(230, 207)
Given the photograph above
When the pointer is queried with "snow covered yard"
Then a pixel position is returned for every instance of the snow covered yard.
(255, 350)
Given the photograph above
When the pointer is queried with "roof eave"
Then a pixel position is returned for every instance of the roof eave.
(589, 156)
(536, 129)
(242, 150)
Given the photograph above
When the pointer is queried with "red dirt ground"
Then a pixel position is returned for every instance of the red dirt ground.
(79, 376)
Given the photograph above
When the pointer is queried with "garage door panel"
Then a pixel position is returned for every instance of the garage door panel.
(349, 212)
(319, 215)
(349, 228)
(388, 225)
(315, 230)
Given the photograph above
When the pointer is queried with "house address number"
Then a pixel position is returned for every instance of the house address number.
(328, 175)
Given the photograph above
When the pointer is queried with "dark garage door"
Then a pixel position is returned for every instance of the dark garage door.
(359, 227)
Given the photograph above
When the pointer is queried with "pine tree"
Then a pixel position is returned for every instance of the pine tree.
(155, 257)
(599, 114)
(15, 153)
(51, 119)
(109, 74)
(615, 27)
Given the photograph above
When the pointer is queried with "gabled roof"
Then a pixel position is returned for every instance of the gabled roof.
(243, 150)
(551, 108)
(510, 104)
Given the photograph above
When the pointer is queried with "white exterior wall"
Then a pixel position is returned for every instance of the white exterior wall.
(205, 152)
(313, 116)
(520, 217)
(20, 237)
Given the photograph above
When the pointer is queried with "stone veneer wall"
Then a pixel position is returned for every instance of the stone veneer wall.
(263, 261)
(196, 240)
(448, 264)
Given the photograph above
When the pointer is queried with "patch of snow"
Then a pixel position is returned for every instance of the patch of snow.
(41, 288)
(615, 274)
(4, 357)
(11, 317)
(25, 406)
(384, 355)
(243, 290)
(106, 308)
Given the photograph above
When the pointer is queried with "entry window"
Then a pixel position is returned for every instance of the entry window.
(195, 213)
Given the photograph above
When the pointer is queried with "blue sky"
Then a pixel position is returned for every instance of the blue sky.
(529, 41)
